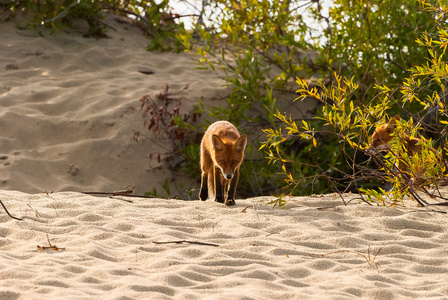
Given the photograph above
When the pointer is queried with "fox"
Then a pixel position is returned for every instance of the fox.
(380, 142)
(221, 155)
(383, 135)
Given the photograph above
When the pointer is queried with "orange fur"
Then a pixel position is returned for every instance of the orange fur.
(222, 152)
(383, 135)
(380, 142)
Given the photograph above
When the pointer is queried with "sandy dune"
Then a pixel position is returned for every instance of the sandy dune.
(69, 107)
(316, 248)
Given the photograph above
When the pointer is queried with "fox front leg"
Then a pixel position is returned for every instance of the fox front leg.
(203, 194)
(232, 189)
(219, 189)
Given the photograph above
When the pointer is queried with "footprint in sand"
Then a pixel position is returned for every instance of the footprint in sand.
(73, 170)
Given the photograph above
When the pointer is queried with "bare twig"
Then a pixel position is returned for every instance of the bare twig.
(6, 210)
(188, 242)
(369, 259)
(63, 13)
(129, 12)
(244, 209)
(439, 204)
(126, 193)
(255, 209)
(49, 247)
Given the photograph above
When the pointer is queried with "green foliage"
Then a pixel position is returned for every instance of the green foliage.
(313, 167)
(256, 176)
(165, 187)
(58, 15)
(255, 46)
(374, 42)
(165, 32)
(156, 19)
(352, 123)
(279, 201)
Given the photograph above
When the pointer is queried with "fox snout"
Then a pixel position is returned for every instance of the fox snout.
(226, 175)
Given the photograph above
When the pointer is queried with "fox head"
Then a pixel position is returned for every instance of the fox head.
(229, 155)
(383, 134)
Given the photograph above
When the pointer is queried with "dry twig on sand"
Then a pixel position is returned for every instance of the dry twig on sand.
(50, 247)
(127, 193)
(370, 260)
(188, 242)
(11, 216)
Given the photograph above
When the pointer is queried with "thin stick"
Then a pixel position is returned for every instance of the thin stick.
(50, 246)
(127, 193)
(244, 209)
(256, 213)
(440, 203)
(253, 205)
(367, 257)
(62, 14)
(4, 207)
(188, 242)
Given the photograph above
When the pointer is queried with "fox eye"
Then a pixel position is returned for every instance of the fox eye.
(233, 162)
(223, 162)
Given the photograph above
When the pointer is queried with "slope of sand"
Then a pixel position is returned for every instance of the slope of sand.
(316, 248)
(69, 106)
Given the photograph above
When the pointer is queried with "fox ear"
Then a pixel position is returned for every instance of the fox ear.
(393, 120)
(240, 144)
(218, 145)
(391, 126)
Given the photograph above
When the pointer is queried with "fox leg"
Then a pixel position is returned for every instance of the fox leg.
(232, 189)
(207, 189)
(219, 190)
(203, 194)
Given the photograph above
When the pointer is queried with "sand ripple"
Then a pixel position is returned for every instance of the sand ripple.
(314, 249)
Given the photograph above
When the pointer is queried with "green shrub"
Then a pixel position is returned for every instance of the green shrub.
(254, 46)
(374, 42)
(156, 19)
(351, 124)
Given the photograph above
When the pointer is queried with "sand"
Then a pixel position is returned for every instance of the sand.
(69, 107)
(315, 248)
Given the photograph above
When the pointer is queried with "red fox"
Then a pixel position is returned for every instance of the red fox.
(383, 135)
(380, 142)
(222, 152)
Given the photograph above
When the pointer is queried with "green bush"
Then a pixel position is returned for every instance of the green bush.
(254, 46)
(156, 19)
(374, 42)
(351, 123)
